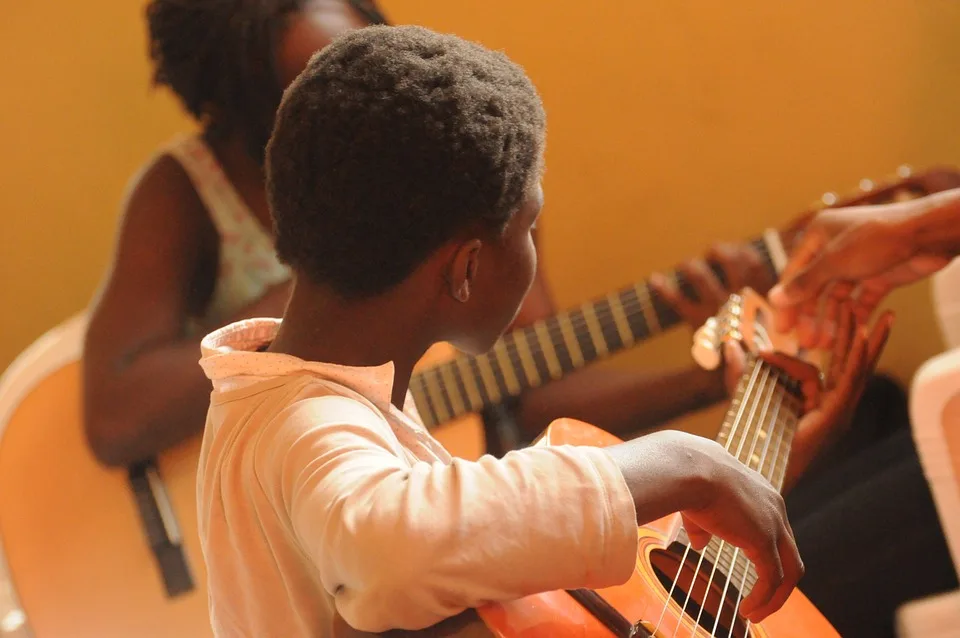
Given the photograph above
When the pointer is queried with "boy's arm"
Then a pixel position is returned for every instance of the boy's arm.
(403, 546)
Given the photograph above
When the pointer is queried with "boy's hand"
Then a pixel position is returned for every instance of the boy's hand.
(672, 471)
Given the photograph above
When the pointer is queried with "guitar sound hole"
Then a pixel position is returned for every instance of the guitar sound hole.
(666, 564)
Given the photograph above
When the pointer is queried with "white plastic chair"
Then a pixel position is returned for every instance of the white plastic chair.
(935, 419)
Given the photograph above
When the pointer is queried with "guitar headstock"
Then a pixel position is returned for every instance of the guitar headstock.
(904, 184)
(747, 318)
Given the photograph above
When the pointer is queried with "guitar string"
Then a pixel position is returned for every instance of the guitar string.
(753, 420)
(730, 438)
(781, 436)
(683, 561)
(776, 390)
(763, 342)
(734, 425)
(724, 546)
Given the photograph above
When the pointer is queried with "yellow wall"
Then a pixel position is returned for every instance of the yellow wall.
(671, 124)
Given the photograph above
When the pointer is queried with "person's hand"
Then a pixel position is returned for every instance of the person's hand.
(672, 471)
(741, 265)
(853, 254)
(829, 406)
(829, 403)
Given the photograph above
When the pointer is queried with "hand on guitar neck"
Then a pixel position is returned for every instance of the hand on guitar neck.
(740, 266)
(830, 403)
(829, 397)
(744, 509)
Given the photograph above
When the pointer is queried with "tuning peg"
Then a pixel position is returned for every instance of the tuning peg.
(706, 345)
(904, 171)
(866, 185)
(829, 199)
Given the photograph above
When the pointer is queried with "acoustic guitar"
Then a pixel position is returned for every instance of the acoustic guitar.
(91, 551)
(674, 589)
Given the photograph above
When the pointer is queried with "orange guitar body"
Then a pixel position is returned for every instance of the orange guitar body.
(642, 598)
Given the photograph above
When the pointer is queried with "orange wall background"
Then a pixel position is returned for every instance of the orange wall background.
(670, 125)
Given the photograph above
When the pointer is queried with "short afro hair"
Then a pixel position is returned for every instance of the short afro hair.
(219, 58)
(391, 141)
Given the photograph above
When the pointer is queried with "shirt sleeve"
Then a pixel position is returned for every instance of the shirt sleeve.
(404, 546)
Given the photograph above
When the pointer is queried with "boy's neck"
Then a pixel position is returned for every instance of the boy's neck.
(321, 326)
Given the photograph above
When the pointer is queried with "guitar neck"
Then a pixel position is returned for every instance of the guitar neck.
(553, 347)
(758, 430)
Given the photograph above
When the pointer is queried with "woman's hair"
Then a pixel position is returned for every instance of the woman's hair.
(391, 141)
(219, 58)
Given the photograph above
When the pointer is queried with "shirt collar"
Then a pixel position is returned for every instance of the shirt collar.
(231, 351)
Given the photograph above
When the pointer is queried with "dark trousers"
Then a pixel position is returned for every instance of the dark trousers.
(866, 524)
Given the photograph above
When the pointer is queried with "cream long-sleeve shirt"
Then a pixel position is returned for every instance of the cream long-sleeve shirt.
(318, 497)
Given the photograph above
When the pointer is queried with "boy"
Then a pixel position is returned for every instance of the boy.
(404, 180)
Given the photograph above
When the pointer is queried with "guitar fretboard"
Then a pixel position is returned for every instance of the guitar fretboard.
(550, 348)
(758, 429)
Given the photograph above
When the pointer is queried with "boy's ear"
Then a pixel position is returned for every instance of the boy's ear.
(462, 269)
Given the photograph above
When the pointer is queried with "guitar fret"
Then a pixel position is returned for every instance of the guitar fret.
(436, 398)
(506, 367)
(488, 378)
(766, 467)
(422, 400)
(594, 329)
(608, 327)
(783, 456)
(582, 333)
(620, 319)
(646, 306)
(445, 393)
(532, 339)
(570, 339)
(549, 352)
(469, 383)
(753, 462)
(453, 392)
(526, 357)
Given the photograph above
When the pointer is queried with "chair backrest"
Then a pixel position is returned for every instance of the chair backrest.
(946, 303)
(935, 419)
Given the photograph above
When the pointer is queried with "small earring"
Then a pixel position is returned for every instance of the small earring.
(463, 293)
